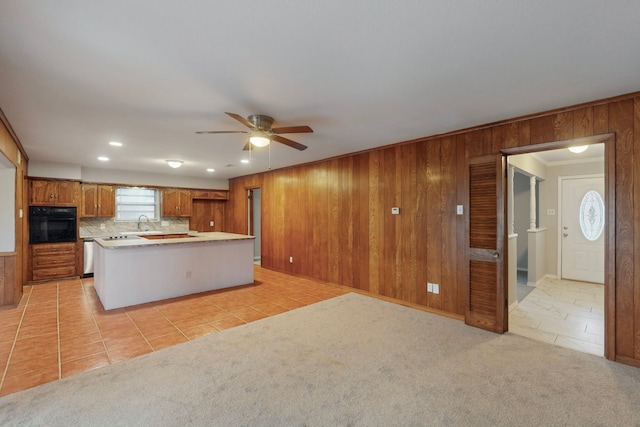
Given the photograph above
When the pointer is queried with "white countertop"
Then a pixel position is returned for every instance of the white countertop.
(194, 237)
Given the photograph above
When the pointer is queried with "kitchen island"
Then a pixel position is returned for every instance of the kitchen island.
(136, 270)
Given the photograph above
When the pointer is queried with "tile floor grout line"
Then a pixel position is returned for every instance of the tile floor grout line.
(139, 330)
(58, 330)
(15, 339)
(95, 322)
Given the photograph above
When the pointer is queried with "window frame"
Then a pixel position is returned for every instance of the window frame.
(133, 214)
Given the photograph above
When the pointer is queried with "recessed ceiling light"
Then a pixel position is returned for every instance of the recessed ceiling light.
(103, 159)
(175, 163)
(244, 161)
(578, 149)
(211, 170)
(115, 143)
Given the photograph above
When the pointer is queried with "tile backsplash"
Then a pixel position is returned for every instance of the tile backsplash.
(103, 227)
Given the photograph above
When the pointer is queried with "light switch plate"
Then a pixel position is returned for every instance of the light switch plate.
(459, 210)
(395, 211)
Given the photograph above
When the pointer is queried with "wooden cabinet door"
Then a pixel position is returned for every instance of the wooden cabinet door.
(211, 194)
(53, 193)
(42, 192)
(106, 201)
(170, 202)
(486, 304)
(66, 193)
(176, 202)
(184, 207)
(88, 200)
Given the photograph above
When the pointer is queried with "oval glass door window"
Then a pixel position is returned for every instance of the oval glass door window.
(592, 215)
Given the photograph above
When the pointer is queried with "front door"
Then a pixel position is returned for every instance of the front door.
(486, 304)
(582, 236)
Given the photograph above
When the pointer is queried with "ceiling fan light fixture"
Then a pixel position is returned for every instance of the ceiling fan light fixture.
(175, 163)
(578, 149)
(259, 139)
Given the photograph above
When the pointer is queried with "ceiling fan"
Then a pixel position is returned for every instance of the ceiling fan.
(262, 133)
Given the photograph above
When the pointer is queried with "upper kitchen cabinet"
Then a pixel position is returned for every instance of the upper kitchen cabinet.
(97, 201)
(176, 202)
(211, 194)
(53, 192)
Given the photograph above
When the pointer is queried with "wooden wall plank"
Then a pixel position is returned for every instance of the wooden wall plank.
(562, 126)
(600, 119)
(345, 234)
(407, 238)
(361, 212)
(636, 222)
(510, 136)
(524, 129)
(434, 221)
(462, 233)
(388, 265)
(541, 129)
(376, 224)
(333, 274)
(583, 122)
(448, 282)
(621, 122)
(421, 230)
(475, 142)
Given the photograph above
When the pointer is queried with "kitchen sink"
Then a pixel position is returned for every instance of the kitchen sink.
(139, 233)
(165, 236)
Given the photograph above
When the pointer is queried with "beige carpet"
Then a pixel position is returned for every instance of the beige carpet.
(351, 360)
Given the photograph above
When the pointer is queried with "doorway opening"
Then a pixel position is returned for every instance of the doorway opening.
(556, 286)
(254, 225)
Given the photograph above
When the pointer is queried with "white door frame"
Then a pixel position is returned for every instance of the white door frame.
(558, 225)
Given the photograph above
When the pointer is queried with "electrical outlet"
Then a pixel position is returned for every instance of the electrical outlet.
(429, 287)
(102, 227)
(211, 223)
(436, 288)
(290, 260)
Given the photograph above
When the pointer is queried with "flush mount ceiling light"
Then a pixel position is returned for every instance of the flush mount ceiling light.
(175, 163)
(259, 139)
(578, 149)
(211, 170)
(103, 159)
(115, 143)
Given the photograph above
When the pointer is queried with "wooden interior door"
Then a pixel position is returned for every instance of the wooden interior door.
(486, 305)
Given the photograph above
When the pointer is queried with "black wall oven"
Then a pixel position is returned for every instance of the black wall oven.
(52, 224)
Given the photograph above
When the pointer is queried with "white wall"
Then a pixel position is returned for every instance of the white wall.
(7, 205)
(75, 172)
(522, 201)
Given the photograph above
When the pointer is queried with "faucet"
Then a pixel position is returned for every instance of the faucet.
(140, 218)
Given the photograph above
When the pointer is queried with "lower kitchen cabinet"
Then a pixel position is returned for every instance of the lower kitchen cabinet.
(52, 261)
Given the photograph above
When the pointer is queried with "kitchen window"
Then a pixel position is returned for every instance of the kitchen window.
(132, 202)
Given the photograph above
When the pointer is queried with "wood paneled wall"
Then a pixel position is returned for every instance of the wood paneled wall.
(14, 265)
(334, 217)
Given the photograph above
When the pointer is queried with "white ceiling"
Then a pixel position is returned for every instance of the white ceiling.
(75, 75)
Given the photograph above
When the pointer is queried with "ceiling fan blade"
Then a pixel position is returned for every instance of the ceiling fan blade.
(241, 119)
(221, 131)
(246, 146)
(290, 143)
(292, 129)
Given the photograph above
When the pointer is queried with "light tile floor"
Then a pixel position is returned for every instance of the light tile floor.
(60, 328)
(562, 312)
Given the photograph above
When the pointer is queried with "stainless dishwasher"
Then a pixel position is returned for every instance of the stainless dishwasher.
(88, 258)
